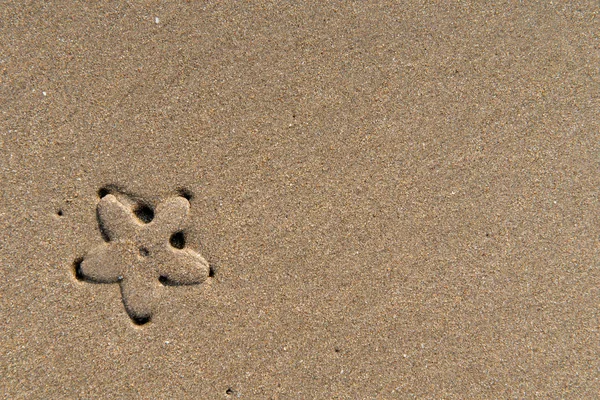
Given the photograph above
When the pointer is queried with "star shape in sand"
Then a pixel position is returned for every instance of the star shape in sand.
(140, 257)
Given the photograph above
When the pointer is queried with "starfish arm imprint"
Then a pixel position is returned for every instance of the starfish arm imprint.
(171, 215)
(103, 264)
(183, 267)
(115, 220)
(140, 295)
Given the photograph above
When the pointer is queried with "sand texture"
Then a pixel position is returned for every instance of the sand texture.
(311, 200)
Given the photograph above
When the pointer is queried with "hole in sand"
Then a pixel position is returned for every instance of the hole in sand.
(77, 269)
(186, 194)
(144, 252)
(103, 191)
(212, 271)
(59, 213)
(229, 391)
(165, 281)
(141, 320)
(177, 240)
(144, 213)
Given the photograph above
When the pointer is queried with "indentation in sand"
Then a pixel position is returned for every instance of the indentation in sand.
(144, 250)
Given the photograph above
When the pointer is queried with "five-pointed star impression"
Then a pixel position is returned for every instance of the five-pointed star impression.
(140, 257)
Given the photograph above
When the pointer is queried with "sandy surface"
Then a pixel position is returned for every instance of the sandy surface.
(396, 201)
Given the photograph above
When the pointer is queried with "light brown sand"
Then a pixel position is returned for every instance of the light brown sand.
(398, 201)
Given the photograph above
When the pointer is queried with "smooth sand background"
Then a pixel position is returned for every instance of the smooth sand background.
(401, 200)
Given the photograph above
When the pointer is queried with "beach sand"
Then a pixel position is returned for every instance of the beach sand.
(393, 200)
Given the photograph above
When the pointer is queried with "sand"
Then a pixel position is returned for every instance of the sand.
(392, 200)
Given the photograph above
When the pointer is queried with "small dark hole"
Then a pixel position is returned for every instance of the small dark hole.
(177, 240)
(164, 280)
(186, 194)
(77, 269)
(103, 192)
(211, 271)
(144, 252)
(144, 213)
(487, 235)
(141, 320)
(337, 349)
(59, 213)
(229, 391)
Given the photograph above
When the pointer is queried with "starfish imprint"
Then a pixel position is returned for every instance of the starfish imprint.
(140, 256)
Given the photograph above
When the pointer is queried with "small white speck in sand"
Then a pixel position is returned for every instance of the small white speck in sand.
(156, 20)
